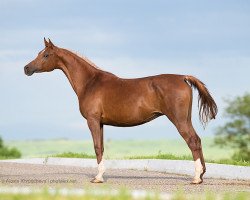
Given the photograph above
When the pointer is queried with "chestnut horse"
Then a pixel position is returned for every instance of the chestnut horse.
(105, 99)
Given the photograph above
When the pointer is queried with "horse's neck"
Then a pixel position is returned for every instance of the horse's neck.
(77, 70)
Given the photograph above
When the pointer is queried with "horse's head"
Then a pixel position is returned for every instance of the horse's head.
(47, 60)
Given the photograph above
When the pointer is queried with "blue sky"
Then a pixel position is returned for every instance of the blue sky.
(207, 39)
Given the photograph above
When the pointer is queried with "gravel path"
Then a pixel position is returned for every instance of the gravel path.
(16, 174)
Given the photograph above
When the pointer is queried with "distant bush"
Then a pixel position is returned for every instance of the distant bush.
(236, 131)
(8, 153)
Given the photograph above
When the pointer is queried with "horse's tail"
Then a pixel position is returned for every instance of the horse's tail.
(207, 106)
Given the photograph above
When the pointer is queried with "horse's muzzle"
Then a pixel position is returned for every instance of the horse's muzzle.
(28, 71)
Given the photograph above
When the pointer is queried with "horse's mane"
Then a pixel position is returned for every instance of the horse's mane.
(84, 58)
(88, 61)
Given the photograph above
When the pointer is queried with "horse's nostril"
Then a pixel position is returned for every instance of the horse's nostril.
(26, 69)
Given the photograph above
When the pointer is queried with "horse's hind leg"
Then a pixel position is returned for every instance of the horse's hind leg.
(180, 116)
(198, 156)
(194, 143)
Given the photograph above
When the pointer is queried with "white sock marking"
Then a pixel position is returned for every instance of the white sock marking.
(198, 169)
(101, 170)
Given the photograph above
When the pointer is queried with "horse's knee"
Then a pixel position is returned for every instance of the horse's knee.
(194, 143)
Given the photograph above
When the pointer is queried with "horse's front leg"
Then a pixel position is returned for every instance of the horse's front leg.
(96, 129)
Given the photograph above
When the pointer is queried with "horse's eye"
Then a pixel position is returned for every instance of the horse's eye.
(46, 55)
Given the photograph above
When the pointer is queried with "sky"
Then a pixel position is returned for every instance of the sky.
(207, 39)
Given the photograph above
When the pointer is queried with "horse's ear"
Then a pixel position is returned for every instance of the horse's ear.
(51, 44)
(45, 42)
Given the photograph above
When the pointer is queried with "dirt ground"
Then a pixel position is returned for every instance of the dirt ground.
(14, 174)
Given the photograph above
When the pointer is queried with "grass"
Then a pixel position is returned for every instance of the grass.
(180, 195)
(230, 162)
(173, 157)
(172, 149)
(163, 156)
(101, 193)
(159, 156)
(117, 149)
(73, 155)
(123, 194)
(57, 196)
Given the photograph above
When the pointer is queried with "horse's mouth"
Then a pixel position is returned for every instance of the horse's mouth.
(28, 71)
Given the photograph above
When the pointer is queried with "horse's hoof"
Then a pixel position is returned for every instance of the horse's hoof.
(204, 171)
(94, 180)
(197, 181)
(200, 179)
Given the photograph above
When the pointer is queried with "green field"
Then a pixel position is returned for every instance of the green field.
(118, 148)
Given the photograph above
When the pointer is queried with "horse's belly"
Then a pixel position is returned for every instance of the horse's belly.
(132, 119)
